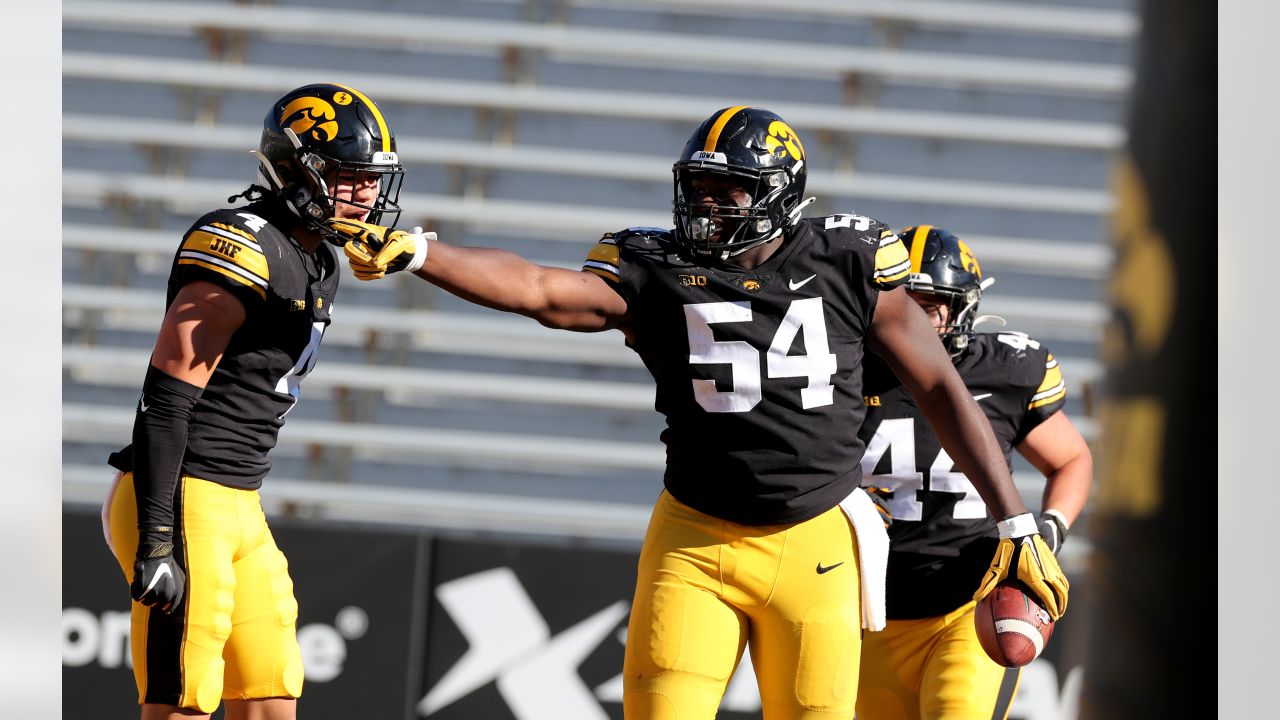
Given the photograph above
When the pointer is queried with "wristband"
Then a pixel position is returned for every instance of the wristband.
(1018, 526)
(419, 250)
(1058, 519)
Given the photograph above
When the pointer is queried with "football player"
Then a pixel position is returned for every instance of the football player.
(250, 294)
(928, 663)
(745, 315)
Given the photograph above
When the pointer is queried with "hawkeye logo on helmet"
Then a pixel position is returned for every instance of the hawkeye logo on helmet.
(967, 259)
(310, 114)
(783, 140)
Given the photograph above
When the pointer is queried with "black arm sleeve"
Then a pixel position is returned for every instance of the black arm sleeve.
(159, 442)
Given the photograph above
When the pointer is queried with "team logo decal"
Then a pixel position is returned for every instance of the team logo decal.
(968, 261)
(342, 98)
(311, 114)
(783, 140)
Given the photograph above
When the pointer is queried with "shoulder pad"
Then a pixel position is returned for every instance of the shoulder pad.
(226, 242)
(1019, 341)
(892, 263)
(1026, 362)
(867, 229)
(640, 233)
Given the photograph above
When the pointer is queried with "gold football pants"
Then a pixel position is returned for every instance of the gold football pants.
(932, 669)
(706, 588)
(234, 635)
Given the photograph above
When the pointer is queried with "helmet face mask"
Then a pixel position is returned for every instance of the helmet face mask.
(945, 269)
(318, 139)
(752, 149)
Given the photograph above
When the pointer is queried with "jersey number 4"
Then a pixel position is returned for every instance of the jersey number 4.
(898, 438)
(292, 381)
(818, 363)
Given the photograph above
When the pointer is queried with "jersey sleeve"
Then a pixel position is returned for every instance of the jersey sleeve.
(880, 260)
(605, 260)
(220, 250)
(892, 262)
(615, 258)
(1048, 396)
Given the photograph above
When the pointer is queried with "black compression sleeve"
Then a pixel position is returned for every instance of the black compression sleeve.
(159, 442)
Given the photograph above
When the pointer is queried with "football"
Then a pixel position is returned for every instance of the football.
(1012, 626)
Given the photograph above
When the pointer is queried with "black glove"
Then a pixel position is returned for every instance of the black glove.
(1053, 528)
(158, 580)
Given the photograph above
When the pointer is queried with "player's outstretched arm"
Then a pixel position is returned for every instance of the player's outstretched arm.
(555, 297)
(1058, 451)
(902, 335)
(195, 333)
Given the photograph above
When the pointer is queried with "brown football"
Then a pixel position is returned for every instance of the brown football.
(1012, 626)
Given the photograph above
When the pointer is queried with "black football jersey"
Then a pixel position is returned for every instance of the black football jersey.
(758, 373)
(942, 538)
(288, 297)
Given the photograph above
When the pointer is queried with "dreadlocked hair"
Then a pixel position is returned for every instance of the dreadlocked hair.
(252, 193)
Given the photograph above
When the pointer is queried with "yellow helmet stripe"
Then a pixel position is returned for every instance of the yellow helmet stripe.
(917, 246)
(713, 137)
(377, 115)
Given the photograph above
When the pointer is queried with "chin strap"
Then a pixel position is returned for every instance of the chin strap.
(989, 318)
(794, 217)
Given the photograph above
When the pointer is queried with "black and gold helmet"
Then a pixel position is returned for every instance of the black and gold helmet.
(315, 130)
(943, 265)
(759, 151)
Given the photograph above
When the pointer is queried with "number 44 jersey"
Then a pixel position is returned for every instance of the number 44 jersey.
(759, 373)
(942, 538)
(288, 296)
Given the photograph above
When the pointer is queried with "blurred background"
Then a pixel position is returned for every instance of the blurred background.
(504, 471)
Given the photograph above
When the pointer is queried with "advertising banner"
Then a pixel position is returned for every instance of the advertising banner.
(537, 633)
(405, 626)
(357, 592)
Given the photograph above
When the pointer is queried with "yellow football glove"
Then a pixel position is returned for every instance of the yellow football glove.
(880, 498)
(1022, 550)
(375, 251)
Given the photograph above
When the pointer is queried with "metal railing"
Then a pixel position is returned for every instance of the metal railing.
(600, 45)
(1049, 20)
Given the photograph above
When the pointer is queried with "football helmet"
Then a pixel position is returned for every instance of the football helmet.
(319, 131)
(756, 150)
(943, 265)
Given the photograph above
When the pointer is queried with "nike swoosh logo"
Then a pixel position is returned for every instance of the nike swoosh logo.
(828, 568)
(164, 570)
(982, 397)
(142, 406)
(797, 285)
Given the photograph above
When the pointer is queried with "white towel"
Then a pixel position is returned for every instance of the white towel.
(873, 555)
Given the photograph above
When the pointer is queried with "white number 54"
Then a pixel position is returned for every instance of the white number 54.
(818, 363)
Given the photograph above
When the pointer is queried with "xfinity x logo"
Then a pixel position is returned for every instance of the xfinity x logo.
(536, 672)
